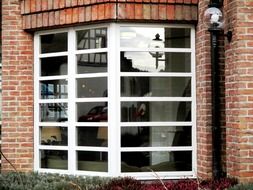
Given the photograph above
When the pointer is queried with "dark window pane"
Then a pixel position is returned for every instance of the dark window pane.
(53, 112)
(156, 86)
(54, 159)
(54, 136)
(54, 66)
(92, 112)
(145, 62)
(92, 87)
(92, 161)
(53, 89)
(142, 37)
(92, 38)
(155, 111)
(92, 136)
(159, 136)
(177, 38)
(156, 161)
(92, 63)
(54, 42)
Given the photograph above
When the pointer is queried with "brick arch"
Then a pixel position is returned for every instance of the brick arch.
(37, 14)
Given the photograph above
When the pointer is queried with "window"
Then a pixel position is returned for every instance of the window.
(109, 103)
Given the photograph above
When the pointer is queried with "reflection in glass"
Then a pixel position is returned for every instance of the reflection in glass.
(53, 112)
(92, 136)
(54, 159)
(92, 112)
(54, 42)
(92, 161)
(52, 66)
(144, 62)
(92, 38)
(54, 136)
(54, 89)
(155, 111)
(141, 37)
(92, 87)
(92, 63)
(156, 86)
(160, 136)
(156, 161)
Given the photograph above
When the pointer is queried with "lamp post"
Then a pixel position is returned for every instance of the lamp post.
(156, 43)
(213, 16)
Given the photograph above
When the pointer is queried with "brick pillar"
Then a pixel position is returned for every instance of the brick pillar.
(17, 89)
(239, 90)
(203, 89)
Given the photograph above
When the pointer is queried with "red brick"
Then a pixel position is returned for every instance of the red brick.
(44, 5)
(50, 4)
(130, 13)
(94, 12)
(121, 10)
(88, 13)
(38, 5)
(69, 14)
(63, 16)
(154, 12)
(27, 6)
(62, 4)
(81, 14)
(33, 5)
(75, 15)
(56, 4)
(162, 12)
(138, 9)
(101, 12)
(170, 12)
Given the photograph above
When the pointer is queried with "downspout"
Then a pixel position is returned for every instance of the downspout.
(216, 109)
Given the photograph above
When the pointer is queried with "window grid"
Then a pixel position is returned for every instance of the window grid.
(113, 148)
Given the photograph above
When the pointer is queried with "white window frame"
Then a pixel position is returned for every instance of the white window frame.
(113, 49)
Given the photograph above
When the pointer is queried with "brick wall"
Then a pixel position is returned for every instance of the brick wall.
(38, 14)
(203, 89)
(239, 89)
(17, 89)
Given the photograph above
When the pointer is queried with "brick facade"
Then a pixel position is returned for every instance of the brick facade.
(236, 85)
(17, 89)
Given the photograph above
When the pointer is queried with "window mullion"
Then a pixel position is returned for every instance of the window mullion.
(113, 104)
(71, 104)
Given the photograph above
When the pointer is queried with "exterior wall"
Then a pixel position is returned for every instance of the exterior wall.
(17, 89)
(17, 130)
(20, 15)
(203, 89)
(239, 89)
(54, 13)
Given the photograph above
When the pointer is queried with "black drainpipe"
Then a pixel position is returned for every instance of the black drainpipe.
(215, 87)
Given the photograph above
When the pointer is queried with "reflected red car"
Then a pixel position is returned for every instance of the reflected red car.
(96, 114)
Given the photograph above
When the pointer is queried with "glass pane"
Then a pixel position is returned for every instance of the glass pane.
(54, 89)
(156, 161)
(164, 62)
(52, 66)
(54, 136)
(92, 63)
(92, 87)
(155, 111)
(92, 38)
(53, 112)
(92, 161)
(92, 112)
(54, 159)
(159, 136)
(178, 38)
(54, 42)
(92, 136)
(142, 37)
(156, 86)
